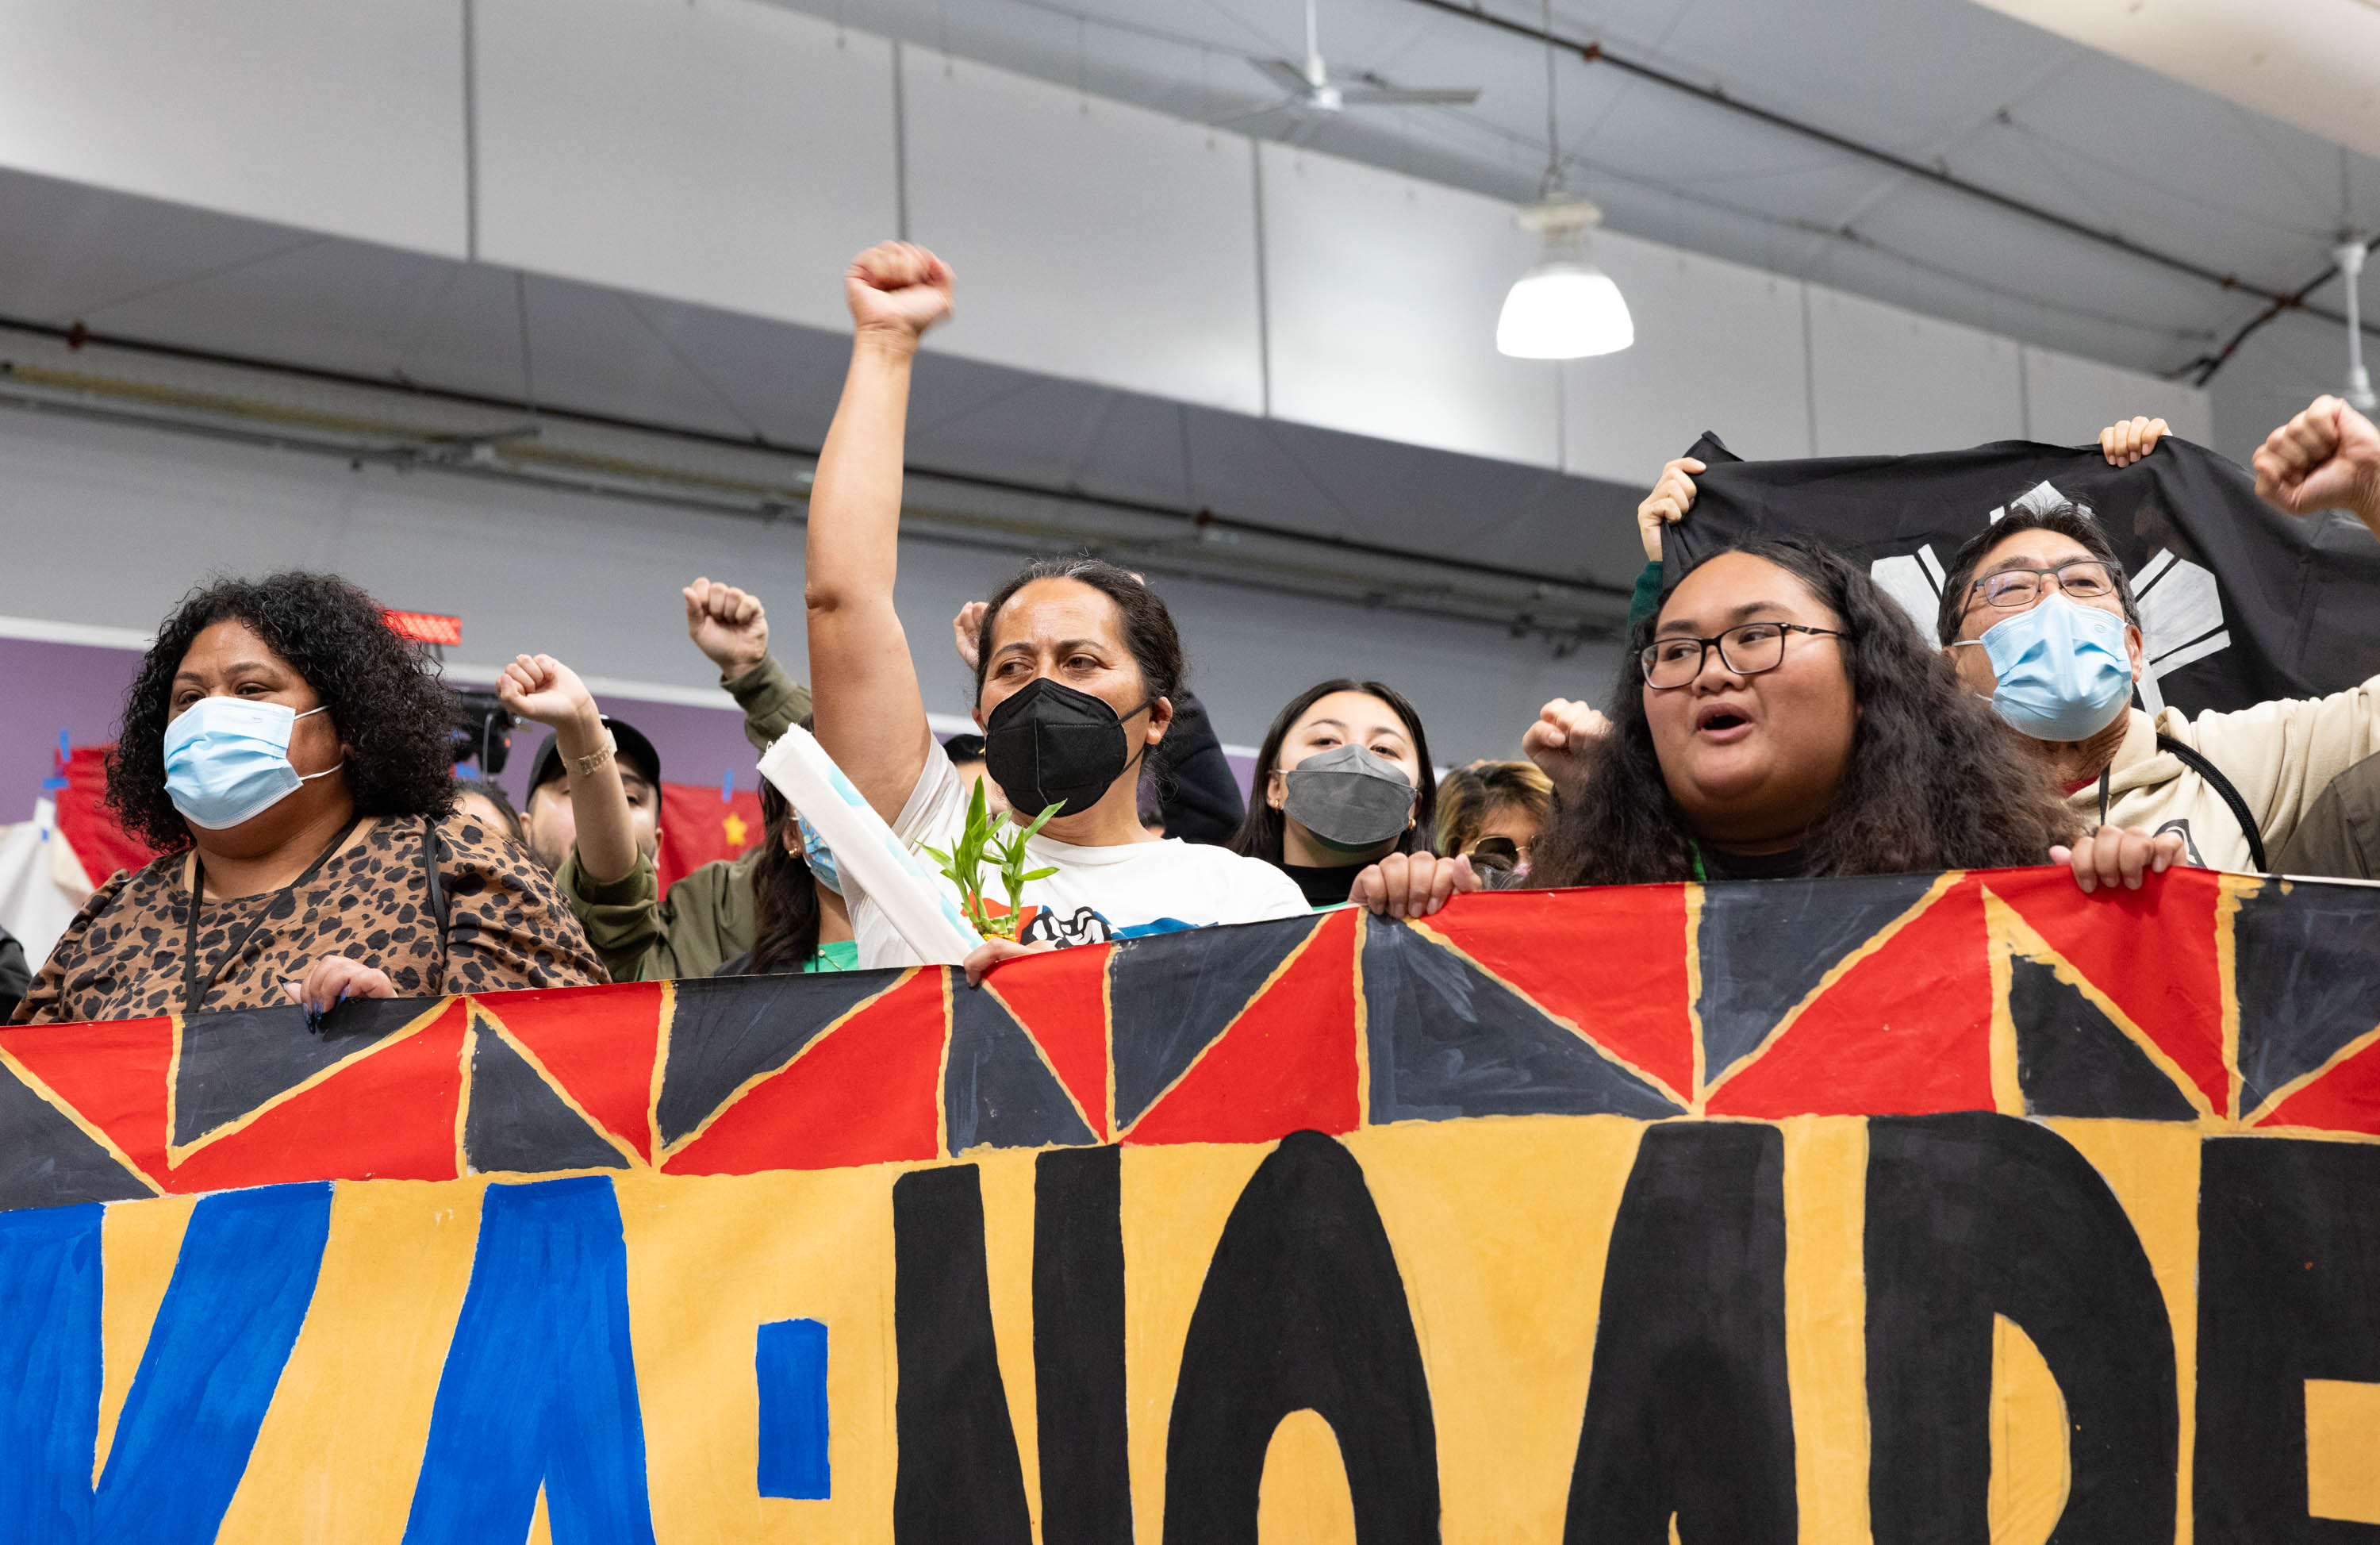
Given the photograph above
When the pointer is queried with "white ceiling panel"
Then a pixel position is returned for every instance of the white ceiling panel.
(2312, 63)
(1092, 239)
(1887, 381)
(344, 117)
(1718, 346)
(2068, 401)
(1381, 296)
(731, 153)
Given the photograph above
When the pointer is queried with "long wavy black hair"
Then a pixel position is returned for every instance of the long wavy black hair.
(784, 894)
(1260, 833)
(1933, 780)
(385, 701)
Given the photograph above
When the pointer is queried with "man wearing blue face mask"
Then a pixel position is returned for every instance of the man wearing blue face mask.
(2038, 615)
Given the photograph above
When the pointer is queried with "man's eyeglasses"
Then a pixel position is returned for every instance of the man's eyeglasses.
(2083, 579)
(1747, 650)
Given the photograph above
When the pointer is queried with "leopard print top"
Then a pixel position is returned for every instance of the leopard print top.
(121, 958)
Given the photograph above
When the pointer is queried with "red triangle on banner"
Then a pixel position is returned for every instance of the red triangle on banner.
(599, 1043)
(1905, 1031)
(1617, 973)
(115, 1073)
(868, 1092)
(388, 1114)
(1061, 1000)
(1288, 1063)
(2343, 1097)
(2151, 952)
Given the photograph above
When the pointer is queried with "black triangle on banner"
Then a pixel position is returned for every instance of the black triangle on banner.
(2301, 958)
(728, 1030)
(1766, 944)
(234, 1061)
(516, 1122)
(1172, 993)
(47, 1161)
(1447, 1039)
(2071, 1060)
(996, 1089)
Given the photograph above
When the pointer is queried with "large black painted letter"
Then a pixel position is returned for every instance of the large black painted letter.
(1973, 1215)
(958, 1478)
(1078, 1347)
(1688, 1411)
(1302, 1309)
(2289, 1289)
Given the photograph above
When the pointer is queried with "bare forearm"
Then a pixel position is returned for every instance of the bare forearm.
(607, 845)
(854, 521)
(870, 716)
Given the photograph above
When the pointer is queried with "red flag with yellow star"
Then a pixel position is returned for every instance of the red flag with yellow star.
(698, 826)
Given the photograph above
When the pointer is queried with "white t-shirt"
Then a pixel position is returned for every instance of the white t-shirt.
(1098, 893)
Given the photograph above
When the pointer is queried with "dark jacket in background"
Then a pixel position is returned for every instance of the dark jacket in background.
(15, 976)
(1196, 789)
(2339, 837)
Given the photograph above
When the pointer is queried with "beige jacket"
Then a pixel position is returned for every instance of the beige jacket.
(2280, 756)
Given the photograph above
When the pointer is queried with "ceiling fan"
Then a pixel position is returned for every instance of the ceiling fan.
(1312, 89)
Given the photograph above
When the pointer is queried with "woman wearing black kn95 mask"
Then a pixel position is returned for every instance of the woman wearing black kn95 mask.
(1075, 673)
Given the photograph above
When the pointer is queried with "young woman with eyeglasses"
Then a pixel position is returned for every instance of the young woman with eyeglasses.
(1785, 718)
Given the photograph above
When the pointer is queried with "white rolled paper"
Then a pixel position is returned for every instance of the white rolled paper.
(915, 902)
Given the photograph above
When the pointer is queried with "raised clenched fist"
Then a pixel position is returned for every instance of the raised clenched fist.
(728, 624)
(898, 289)
(1561, 740)
(2326, 457)
(544, 691)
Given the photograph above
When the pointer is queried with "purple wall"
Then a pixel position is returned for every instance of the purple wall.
(47, 688)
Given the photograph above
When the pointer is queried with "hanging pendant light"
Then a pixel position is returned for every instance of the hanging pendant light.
(1564, 308)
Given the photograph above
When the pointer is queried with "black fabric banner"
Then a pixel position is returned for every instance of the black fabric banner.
(2239, 601)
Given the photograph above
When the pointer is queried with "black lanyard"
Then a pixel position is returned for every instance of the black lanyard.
(2225, 790)
(194, 992)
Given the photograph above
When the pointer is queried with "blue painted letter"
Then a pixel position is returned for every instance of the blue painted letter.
(232, 1312)
(540, 1381)
(790, 1363)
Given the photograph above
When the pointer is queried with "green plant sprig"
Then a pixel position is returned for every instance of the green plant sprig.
(983, 836)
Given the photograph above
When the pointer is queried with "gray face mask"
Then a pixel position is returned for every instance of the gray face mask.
(1349, 798)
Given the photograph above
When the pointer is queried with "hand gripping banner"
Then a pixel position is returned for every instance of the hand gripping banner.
(1893, 1210)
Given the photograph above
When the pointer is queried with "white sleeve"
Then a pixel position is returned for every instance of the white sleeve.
(935, 810)
(2281, 755)
(1262, 893)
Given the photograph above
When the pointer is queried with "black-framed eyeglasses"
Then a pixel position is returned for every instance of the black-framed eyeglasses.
(1747, 648)
(2083, 579)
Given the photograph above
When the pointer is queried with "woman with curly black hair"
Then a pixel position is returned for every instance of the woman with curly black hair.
(290, 755)
(1785, 719)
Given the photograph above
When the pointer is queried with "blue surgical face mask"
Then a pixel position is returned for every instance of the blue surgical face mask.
(227, 759)
(2064, 673)
(820, 856)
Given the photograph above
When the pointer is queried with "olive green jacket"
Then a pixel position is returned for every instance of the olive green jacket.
(706, 920)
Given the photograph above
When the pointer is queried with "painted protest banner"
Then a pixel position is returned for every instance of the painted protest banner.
(1894, 1210)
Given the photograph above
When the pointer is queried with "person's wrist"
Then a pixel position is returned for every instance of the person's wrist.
(735, 667)
(580, 733)
(894, 342)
